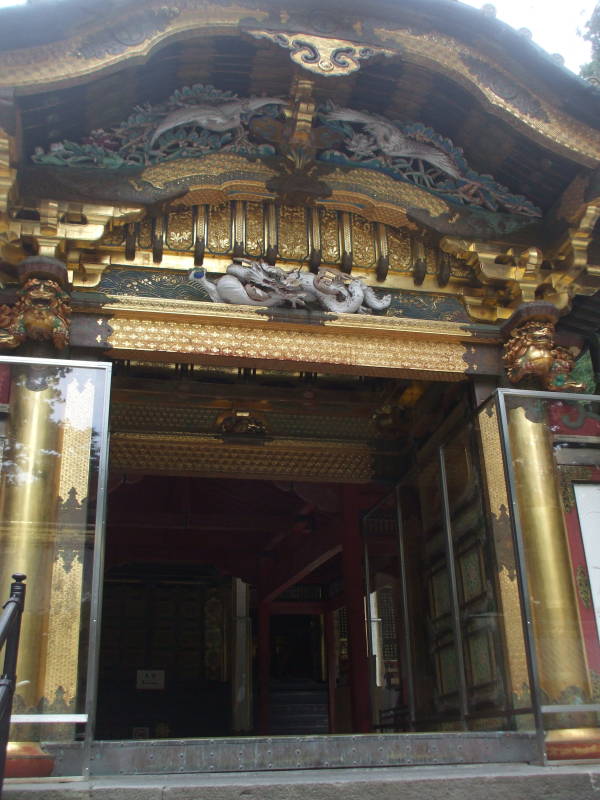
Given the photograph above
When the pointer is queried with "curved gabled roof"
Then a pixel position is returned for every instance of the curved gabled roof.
(43, 22)
(519, 116)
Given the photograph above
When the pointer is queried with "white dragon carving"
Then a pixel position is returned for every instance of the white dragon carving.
(256, 283)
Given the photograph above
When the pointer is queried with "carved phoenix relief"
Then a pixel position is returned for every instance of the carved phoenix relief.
(201, 121)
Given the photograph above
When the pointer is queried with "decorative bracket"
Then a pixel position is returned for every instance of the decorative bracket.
(513, 275)
(571, 254)
(320, 54)
(60, 223)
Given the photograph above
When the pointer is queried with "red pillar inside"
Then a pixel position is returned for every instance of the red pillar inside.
(352, 568)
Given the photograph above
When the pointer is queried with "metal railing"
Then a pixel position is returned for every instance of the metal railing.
(10, 628)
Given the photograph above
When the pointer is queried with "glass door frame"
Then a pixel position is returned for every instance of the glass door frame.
(539, 708)
(93, 645)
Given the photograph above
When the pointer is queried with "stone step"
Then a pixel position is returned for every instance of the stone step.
(285, 752)
(298, 708)
(298, 697)
(481, 782)
(301, 730)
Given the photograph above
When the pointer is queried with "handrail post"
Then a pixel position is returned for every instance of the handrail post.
(13, 606)
(17, 595)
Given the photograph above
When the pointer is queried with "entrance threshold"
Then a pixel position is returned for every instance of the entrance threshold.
(477, 782)
(260, 754)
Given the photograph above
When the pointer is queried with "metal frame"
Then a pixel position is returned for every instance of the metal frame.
(539, 709)
(407, 653)
(451, 566)
(47, 719)
(91, 698)
(93, 645)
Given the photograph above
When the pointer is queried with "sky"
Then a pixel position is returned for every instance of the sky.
(554, 24)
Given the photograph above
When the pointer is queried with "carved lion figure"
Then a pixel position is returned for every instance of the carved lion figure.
(531, 350)
(41, 313)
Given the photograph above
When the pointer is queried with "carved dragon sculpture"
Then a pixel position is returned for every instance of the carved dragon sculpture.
(257, 283)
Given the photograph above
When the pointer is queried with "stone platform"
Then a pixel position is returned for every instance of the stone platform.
(456, 782)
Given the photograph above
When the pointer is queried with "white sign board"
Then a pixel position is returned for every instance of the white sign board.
(587, 496)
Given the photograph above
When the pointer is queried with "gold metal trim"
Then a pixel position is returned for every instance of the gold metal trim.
(8, 174)
(202, 455)
(320, 54)
(444, 54)
(556, 623)
(127, 306)
(324, 348)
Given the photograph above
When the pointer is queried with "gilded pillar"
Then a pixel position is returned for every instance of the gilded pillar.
(508, 590)
(559, 643)
(28, 513)
(33, 476)
(533, 357)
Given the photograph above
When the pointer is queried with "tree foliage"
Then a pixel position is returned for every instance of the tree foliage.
(592, 34)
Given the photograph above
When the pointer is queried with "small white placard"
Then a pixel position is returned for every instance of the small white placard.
(150, 679)
(587, 496)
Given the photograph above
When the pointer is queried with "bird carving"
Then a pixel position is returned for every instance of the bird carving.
(218, 117)
(393, 143)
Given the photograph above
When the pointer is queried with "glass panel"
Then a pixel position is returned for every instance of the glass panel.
(53, 435)
(554, 462)
(414, 668)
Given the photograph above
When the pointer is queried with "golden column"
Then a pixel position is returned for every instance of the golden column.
(28, 510)
(31, 463)
(558, 636)
(510, 603)
(532, 354)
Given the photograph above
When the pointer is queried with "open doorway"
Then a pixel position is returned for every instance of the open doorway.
(237, 568)
(173, 639)
(298, 688)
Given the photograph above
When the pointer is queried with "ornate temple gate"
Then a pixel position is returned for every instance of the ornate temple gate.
(281, 229)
